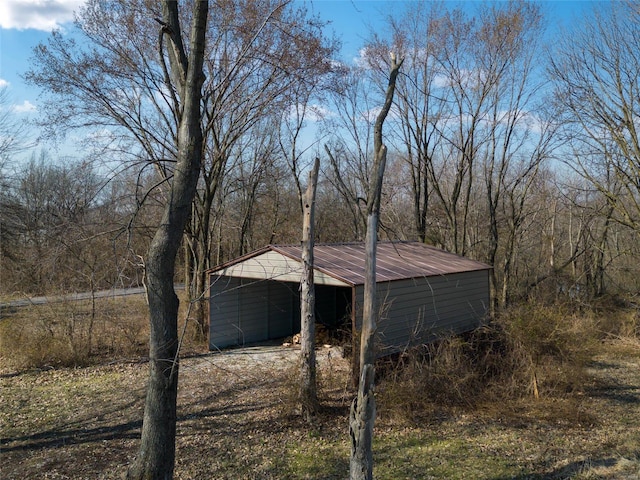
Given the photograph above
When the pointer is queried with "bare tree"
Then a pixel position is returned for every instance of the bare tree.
(363, 408)
(465, 124)
(349, 150)
(260, 55)
(256, 53)
(12, 130)
(11, 134)
(596, 72)
(421, 105)
(518, 140)
(156, 456)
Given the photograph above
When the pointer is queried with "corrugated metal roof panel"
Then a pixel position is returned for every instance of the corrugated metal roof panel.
(394, 260)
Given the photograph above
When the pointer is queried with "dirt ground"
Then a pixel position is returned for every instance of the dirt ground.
(85, 423)
(237, 419)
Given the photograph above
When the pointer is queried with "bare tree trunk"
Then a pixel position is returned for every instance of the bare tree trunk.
(600, 250)
(195, 265)
(363, 409)
(308, 387)
(156, 457)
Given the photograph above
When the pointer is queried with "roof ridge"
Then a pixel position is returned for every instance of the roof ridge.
(355, 242)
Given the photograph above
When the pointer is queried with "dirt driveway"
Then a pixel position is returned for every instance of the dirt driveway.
(268, 354)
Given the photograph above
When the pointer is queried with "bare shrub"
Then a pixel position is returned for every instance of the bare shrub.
(26, 346)
(290, 397)
(333, 382)
(527, 352)
(48, 335)
(553, 345)
(423, 379)
(123, 327)
(618, 317)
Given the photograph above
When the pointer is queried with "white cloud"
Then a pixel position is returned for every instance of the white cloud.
(24, 107)
(312, 112)
(43, 15)
(441, 81)
(363, 59)
(3, 83)
(318, 112)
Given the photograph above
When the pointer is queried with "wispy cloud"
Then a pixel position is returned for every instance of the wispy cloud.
(43, 15)
(3, 83)
(312, 112)
(24, 107)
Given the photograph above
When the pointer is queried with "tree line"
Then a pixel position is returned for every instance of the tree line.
(501, 147)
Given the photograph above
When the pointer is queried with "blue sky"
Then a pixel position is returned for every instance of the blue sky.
(25, 23)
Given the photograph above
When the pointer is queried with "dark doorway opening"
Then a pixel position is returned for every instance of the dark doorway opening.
(333, 314)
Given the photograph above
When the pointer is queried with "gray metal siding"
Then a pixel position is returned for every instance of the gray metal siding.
(280, 308)
(418, 310)
(254, 304)
(224, 311)
(247, 311)
(414, 310)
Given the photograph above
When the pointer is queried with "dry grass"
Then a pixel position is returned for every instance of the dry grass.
(235, 421)
(74, 333)
(526, 353)
(79, 333)
(238, 416)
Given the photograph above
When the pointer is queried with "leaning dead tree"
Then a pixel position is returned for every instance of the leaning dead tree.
(363, 408)
(308, 385)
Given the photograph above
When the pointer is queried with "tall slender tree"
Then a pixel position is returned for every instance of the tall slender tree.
(156, 456)
(363, 408)
(114, 81)
(596, 73)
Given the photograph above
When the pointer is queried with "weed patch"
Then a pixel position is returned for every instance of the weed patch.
(234, 422)
(72, 334)
(527, 352)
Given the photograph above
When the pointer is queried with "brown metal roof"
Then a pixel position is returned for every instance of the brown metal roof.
(394, 260)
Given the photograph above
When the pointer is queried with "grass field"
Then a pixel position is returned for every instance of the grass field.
(238, 417)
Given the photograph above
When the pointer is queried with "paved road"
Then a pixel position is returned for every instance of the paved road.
(74, 297)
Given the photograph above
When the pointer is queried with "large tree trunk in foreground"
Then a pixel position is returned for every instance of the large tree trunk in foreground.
(308, 385)
(363, 409)
(156, 457)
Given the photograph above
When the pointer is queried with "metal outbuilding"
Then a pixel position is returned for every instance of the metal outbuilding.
(423, 292)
